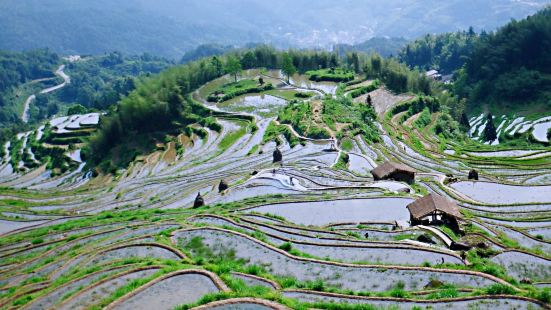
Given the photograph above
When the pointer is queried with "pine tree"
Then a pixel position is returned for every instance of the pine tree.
(465, 120)
(288, 67)
(490, 133)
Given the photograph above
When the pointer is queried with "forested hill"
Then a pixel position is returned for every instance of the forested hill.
(511, 65)
(96, 83)
(18, 68)
(169, 28)
(445, 52)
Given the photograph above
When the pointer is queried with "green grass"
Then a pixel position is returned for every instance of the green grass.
(424, 119)
(273, 132)
(234, 89)
(289, 94)
(230, 138)
(347, 144)
(331, 74)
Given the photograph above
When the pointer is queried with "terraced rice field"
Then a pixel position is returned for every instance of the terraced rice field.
(306, 233)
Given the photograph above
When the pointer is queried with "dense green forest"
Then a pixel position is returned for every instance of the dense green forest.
(20, 68)
(99, 82)
(444, 52)
(96, 83)
(511, 65)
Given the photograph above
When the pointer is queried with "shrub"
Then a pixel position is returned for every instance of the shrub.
(286, 246)
(500, 289)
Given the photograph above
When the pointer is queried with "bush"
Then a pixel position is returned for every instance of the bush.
(302, 95)
(424, 119)
(500, 289)
(286, 247)
(77, 109)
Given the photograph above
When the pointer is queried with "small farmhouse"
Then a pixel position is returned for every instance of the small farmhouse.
(394, 171)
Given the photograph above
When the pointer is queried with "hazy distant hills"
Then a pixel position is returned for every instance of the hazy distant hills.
(172, 27)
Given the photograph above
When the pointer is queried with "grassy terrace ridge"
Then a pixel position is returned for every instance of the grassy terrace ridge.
(163, 146)
(331, 75)
(241, 87)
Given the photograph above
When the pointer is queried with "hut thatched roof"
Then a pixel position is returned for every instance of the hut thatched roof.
(430, 203)
(387, 168)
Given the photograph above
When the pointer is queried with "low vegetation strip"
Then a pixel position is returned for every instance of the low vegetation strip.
(232, 90)
(331, 74)
(213, 277)
(418, 273)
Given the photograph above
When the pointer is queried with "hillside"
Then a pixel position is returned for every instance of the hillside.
(250, 176)
(226, 188)
(445, 52)
(512, 66)
(385, 47)
(169, 28)
(36, 85)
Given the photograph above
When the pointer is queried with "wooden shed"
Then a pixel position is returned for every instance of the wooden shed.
(394, 171)
(434, 209)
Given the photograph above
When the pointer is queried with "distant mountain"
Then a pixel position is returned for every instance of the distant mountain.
(205, 50)
(382, 46)
(172, 27)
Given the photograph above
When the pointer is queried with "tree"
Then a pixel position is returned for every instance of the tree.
(233, 66)
(368, 100)
(217, 64)
(287, 66)
(549, 134)
(77, 109)
(490, 133)
(248, 60)
(465, 120)
(353, 61)
(376, 63)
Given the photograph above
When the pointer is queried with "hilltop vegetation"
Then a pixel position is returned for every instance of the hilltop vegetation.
(97, 83)
(17, 69)
(161, 105)
(511, 66)
(444, 52)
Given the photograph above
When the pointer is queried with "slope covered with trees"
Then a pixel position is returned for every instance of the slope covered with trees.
(444, 52)
(512, 65)
(96, 84)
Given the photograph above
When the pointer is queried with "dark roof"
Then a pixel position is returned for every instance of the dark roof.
(386, 169)
(432, 202)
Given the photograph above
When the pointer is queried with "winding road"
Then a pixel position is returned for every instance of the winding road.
(66, 80)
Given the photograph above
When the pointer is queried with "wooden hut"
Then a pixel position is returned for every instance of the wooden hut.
(434, 209)
(394, 171)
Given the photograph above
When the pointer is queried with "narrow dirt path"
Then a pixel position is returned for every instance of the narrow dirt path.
(66, 80)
